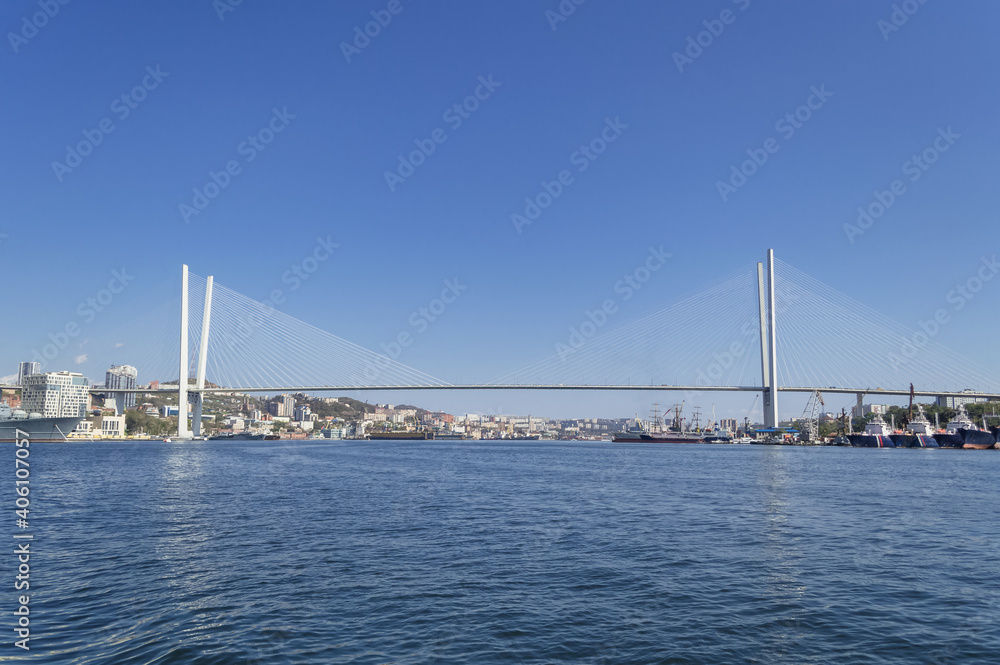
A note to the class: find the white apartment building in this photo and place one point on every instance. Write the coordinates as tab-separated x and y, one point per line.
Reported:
56	394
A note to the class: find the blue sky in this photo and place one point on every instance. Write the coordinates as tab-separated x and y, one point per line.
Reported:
222	76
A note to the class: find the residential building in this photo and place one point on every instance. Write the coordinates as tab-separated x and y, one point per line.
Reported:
122	377
282	405
868	409
56	394
27	369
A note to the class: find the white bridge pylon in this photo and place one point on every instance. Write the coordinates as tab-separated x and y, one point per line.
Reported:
182	383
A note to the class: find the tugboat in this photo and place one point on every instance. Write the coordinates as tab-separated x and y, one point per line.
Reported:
919	433
877	435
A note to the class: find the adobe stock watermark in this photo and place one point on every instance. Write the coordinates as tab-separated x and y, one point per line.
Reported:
381	18
712	373
122	106
86	312
915	167
420	320
31	25
563	11
223	7
958	298
901	13
581	158
294	277
696	44
249	148
786	126
455	115
626	287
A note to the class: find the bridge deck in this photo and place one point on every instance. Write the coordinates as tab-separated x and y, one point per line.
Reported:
560	386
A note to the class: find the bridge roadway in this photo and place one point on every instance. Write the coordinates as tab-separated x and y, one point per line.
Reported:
558	386
550	386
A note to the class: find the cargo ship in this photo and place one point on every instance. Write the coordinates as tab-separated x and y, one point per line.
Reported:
16	425
400	436
243	436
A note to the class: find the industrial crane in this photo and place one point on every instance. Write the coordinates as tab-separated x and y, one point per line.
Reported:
809	415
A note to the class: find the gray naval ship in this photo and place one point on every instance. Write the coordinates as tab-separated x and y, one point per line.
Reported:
32	426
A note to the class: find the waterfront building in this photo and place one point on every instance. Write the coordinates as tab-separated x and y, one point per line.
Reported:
122	377
112	427
56	394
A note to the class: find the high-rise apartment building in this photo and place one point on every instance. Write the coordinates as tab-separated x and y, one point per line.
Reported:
122	377
27	369
282	405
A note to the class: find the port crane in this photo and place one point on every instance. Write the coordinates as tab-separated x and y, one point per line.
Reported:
809	415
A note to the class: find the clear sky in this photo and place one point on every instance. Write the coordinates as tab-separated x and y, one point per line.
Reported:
186	89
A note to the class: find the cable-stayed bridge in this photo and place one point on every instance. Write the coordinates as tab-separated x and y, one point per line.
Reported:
767	330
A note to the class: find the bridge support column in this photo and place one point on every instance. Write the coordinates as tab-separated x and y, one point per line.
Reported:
764	364
182	385
199	397
772	329
768	341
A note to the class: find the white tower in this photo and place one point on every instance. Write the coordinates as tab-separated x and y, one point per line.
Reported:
768	341
202	359
182	385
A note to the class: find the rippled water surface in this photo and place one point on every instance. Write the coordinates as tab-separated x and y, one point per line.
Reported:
534	552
